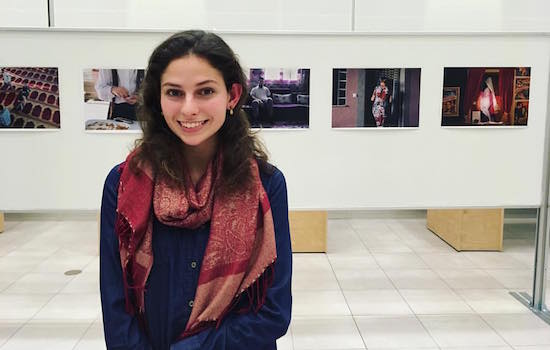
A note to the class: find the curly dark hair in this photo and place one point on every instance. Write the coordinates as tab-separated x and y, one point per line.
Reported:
161	148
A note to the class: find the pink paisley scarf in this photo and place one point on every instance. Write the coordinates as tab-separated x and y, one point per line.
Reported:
240	251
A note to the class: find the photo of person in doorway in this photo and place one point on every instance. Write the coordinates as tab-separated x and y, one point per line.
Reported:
376	98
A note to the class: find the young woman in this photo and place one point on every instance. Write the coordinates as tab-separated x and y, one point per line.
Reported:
195	245
380	96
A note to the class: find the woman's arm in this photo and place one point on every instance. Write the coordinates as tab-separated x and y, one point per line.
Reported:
260	330
121	330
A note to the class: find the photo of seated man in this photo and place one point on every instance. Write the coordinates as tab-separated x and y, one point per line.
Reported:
278	98
261	99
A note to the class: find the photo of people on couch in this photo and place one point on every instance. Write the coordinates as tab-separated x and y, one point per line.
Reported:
278	98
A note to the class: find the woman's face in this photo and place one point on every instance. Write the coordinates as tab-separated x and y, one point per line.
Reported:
194	100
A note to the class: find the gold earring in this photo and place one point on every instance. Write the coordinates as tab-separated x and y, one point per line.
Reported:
230	111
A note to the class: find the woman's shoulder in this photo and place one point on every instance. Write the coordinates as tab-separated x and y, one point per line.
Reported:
271	176
113	177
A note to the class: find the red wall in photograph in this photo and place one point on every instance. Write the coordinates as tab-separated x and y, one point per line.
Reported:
346	116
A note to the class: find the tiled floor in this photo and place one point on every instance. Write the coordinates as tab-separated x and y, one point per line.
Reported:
384	284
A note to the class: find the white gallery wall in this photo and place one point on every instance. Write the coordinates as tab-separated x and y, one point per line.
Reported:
427	167
452	15
207	14
28	13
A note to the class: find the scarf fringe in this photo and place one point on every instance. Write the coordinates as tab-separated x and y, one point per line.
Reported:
256	294
124	230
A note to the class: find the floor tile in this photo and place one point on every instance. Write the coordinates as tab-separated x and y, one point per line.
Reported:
319	303
39	283
304	278
93	339
8	278
67	307
460	330
520	329
93	266
487	301
393	332
469	279
515	279
22	306
416	279
83	283
494	260
479	348
8	328
63	262
424	246
399	261
435	301
46	335
361	279
352	261
442	261
19	263
388	268
346	242
325	333
285	342
376	302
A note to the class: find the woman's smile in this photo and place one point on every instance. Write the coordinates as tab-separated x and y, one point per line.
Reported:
192	126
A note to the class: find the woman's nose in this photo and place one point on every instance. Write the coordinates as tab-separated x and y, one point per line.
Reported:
189	106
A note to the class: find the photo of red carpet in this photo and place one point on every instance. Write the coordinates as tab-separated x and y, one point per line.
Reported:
29	98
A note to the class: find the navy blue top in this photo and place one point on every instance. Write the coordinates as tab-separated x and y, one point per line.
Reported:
171	285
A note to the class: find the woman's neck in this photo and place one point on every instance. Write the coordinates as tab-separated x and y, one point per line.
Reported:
198	157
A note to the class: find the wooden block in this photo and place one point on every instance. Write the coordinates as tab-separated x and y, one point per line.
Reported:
308	231
1	222
468	229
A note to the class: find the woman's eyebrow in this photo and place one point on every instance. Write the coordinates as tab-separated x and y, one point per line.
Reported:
204	82
207	81
171	84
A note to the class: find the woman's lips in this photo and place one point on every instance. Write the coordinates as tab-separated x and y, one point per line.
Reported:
192	126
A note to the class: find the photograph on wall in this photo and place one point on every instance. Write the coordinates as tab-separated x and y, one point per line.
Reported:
451	95
29	98
110	98
375	98
488	96
278	98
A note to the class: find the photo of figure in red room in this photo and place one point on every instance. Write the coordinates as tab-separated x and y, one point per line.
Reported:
375	98
29	98
492	96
